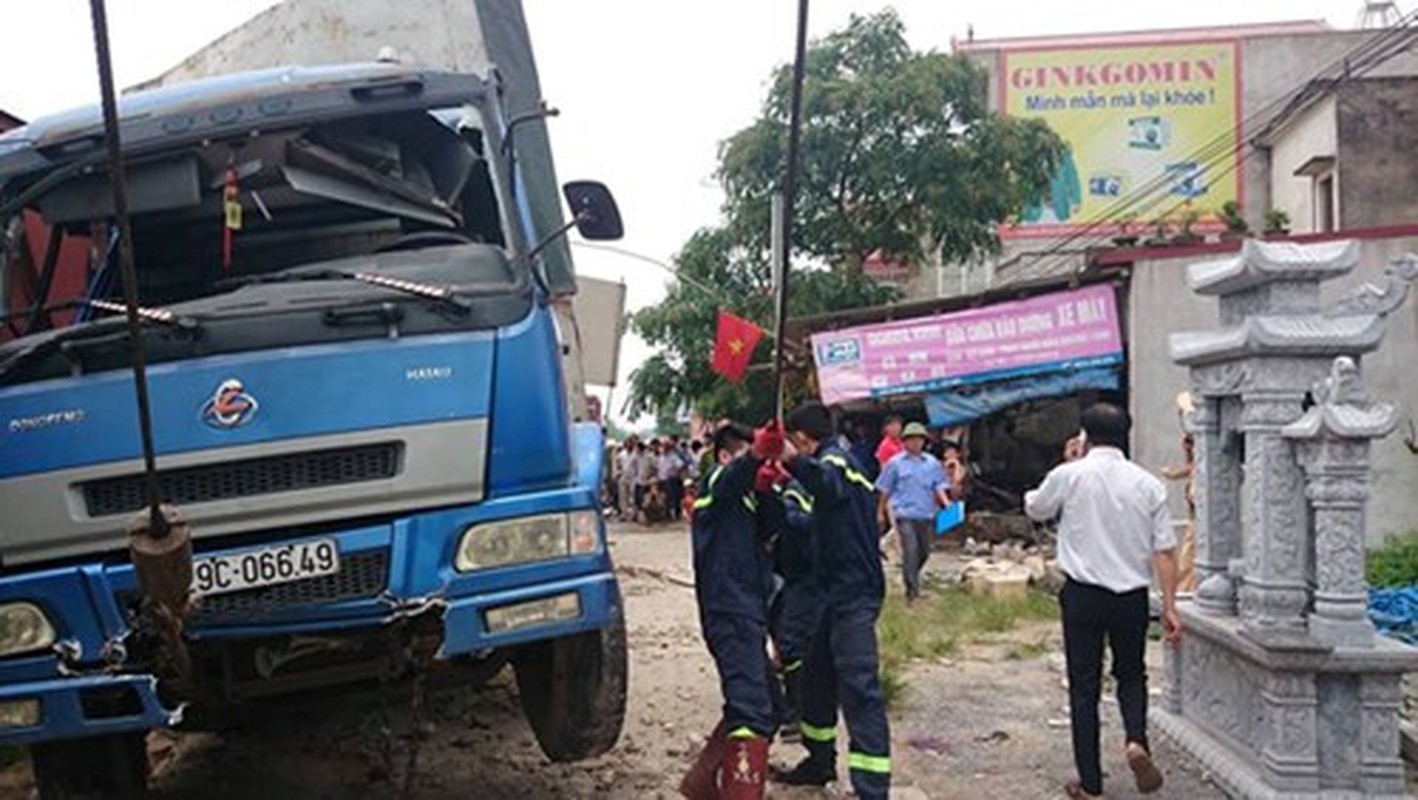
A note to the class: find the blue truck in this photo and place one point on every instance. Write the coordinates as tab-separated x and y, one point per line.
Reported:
358	406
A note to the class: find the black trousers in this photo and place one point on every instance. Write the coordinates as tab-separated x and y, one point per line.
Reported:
842	670
674	494
1090	615
738	644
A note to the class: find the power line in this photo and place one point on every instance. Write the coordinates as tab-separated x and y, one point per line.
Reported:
1362	58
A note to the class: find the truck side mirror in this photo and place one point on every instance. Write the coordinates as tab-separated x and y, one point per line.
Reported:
594	211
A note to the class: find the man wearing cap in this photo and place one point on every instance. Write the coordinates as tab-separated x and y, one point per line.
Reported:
913	488
842	669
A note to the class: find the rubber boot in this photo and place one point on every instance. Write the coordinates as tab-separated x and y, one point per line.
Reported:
744	773
792	718
811	771
702	780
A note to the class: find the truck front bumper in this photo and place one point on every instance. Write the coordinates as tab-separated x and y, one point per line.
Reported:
397	572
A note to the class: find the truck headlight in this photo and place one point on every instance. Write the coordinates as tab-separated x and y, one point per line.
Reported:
528	539
24	629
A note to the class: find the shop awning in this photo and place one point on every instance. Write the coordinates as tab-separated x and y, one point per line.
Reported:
966	404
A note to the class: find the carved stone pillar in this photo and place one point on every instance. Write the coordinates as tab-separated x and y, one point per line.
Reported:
1290	748
1338	495
1332	442
1218	525
1273	593
1381	772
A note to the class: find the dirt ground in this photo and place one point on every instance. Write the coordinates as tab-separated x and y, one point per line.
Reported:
985	723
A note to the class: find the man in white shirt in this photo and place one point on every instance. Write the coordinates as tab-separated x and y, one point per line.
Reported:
629	465
1113	524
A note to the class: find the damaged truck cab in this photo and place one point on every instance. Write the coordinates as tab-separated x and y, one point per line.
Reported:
358	404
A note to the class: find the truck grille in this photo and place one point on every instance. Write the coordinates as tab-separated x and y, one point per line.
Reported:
247	478
362	575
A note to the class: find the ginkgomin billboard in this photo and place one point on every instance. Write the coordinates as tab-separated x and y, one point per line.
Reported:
1156	123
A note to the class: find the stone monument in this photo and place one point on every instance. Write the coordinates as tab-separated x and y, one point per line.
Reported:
1280	685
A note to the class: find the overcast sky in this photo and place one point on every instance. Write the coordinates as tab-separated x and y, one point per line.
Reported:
647	88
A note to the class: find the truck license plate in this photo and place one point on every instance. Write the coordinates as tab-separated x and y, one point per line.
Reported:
267	566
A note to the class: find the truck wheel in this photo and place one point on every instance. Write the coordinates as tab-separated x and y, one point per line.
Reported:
573	691
113	766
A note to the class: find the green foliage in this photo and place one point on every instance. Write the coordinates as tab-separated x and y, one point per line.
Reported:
1277	221
900	154
1230	215
894	688
1394	564
683	325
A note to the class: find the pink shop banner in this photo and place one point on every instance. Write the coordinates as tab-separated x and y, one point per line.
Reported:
1064	331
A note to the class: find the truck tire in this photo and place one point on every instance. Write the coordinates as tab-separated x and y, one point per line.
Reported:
113	766
573	691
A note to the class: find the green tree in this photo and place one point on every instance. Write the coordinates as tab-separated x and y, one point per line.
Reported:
899	155
900	152
683	325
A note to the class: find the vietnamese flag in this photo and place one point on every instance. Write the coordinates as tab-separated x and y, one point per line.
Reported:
734	345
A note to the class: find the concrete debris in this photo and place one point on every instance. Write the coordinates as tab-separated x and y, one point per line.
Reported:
997	580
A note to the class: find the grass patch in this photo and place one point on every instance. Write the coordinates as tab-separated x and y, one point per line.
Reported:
946	616
1027	651
1394	563
11	755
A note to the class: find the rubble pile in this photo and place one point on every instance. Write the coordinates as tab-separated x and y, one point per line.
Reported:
1008	569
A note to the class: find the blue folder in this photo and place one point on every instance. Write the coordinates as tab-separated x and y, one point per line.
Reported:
950	517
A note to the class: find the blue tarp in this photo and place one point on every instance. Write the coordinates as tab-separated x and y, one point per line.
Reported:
1395	612
967	404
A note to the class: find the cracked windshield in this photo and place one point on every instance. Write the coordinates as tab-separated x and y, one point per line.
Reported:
798	399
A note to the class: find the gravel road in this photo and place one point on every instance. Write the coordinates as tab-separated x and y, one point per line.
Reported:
979	725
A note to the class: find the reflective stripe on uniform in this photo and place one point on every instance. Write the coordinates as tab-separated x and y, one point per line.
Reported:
793	666
742	733
852	475
862	762
750	503
707	500
801	499
815	734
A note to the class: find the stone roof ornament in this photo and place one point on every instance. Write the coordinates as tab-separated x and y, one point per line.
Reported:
1384	299
1270	305
1259	262
1343	408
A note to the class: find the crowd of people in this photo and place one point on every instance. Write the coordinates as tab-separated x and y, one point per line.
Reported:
647	480
786	526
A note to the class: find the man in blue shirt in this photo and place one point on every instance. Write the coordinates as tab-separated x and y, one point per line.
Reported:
913	488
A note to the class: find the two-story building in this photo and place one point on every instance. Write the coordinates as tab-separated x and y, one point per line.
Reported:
1181	143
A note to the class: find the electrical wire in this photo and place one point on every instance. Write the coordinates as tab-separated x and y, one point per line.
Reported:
1364	57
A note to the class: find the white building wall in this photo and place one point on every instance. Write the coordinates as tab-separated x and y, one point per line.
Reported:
1313	134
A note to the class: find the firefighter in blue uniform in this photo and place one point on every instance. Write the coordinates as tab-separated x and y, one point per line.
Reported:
786	510
841	669
732	579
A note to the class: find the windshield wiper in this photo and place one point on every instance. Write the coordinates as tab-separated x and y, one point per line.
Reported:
160	316
428	291
81	333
